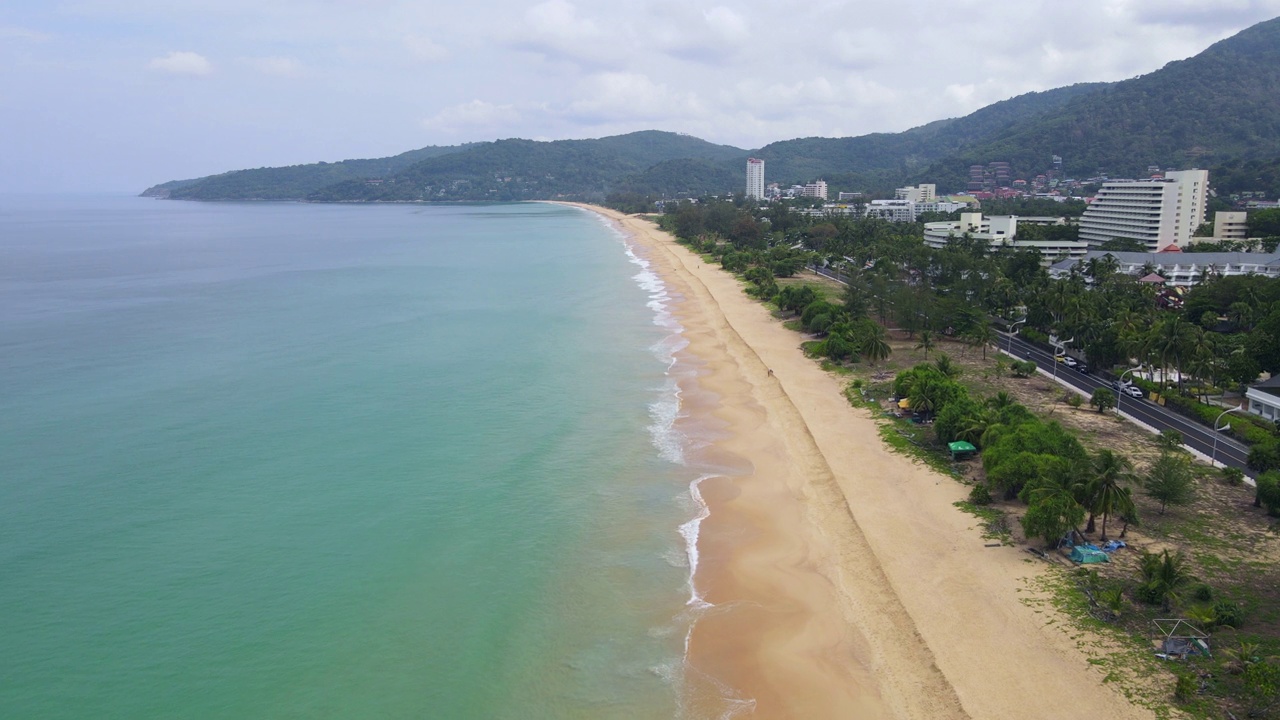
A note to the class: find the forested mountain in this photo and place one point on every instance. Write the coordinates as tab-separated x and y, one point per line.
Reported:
1218	110
528	170
294	182
885	159
1210	110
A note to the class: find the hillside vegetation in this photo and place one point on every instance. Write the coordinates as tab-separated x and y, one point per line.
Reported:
1218	110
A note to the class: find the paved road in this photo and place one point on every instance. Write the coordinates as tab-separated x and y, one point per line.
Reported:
1194	435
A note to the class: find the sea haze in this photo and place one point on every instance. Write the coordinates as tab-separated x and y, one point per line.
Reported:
287	460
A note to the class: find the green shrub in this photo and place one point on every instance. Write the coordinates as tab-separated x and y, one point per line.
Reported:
1202	593
1148	594
1185	688
980	494
1233	476
1229	614
1033	335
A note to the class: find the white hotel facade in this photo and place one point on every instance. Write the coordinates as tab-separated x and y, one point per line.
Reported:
1002	232
1159	212
755	178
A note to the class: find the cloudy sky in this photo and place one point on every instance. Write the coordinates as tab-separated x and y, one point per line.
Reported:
121	94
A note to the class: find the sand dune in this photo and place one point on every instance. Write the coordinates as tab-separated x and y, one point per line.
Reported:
846	583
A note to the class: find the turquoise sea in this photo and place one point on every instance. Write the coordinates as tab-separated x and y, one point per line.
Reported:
304	461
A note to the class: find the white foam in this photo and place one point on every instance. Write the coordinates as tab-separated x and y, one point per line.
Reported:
664	411
669	441
689	531
671	445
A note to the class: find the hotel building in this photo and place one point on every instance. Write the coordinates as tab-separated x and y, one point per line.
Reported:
1159	212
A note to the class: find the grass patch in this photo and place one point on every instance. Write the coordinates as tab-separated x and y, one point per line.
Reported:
995	524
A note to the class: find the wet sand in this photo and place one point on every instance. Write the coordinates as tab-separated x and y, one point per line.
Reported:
845	582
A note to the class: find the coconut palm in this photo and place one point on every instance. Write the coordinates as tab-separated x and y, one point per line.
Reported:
875	347
1165	576
1103	491
982	334
926	342
947	366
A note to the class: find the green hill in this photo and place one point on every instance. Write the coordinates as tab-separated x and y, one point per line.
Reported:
294	182
882	160
1207	111
1218	110
508	170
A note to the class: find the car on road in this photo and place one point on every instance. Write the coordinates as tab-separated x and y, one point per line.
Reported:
1068	360
1134	391
1082	368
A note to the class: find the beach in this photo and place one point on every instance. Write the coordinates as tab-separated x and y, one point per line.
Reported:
841	579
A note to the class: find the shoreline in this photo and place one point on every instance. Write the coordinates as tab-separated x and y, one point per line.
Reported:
845	583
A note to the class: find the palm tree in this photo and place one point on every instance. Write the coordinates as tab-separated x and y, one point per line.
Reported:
1165	576
875	348
983	335
1172	340
1106	496
924	395
947	366
1000	401
1240	314
926	342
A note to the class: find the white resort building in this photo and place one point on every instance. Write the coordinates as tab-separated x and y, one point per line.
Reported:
1264	398
1002	231
816	189
1159	212
1181	269
1230	226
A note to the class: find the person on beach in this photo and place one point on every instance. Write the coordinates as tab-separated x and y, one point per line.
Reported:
770	372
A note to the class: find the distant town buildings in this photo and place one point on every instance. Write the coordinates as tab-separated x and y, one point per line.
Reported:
910	203
1002	232
918	194
1158	212
755	178
816	189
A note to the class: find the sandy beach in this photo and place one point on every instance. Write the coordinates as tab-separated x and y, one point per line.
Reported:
845	582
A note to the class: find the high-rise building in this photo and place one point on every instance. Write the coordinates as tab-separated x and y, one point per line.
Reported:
1158	212
755	178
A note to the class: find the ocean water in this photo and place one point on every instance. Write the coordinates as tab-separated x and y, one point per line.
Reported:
285	461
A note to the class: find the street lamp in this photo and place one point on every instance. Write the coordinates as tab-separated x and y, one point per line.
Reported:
1059	348
1213	457
1013	331
1120	390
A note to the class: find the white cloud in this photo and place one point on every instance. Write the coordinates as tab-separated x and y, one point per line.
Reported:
182	63
727	24
475	117
285	67
558	19
746	72
612	96
424	48
12	32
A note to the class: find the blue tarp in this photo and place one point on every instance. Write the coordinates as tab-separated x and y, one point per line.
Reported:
1087	554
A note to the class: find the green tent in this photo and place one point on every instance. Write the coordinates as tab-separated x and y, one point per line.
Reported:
961	450
1086	556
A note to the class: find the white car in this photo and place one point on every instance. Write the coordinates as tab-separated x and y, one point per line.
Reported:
1069	361
1134	391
